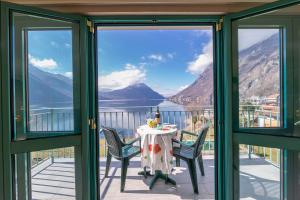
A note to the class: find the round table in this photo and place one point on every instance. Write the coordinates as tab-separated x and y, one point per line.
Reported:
156	150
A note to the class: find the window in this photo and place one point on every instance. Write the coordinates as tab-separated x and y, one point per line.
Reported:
259	172
45	75
47	174
259	71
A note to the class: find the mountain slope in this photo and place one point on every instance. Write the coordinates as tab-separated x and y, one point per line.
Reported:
137	91
47	89
200	92
258	71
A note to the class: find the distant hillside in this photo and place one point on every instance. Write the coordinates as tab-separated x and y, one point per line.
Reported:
257	73
200	92
46	89
138	91
259	69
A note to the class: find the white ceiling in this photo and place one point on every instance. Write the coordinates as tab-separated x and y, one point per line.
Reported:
125	7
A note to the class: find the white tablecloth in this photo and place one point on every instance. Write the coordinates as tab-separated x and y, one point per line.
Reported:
157	148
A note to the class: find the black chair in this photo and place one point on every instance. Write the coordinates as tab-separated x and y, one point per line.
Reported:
190	153
119	150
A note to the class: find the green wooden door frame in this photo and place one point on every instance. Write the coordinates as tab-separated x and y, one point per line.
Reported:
1	132
218	69
233	138
80	140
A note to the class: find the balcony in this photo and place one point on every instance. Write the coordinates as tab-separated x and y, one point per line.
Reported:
53	170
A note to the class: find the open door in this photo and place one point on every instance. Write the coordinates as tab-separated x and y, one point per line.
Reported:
114	77
264	88
45	120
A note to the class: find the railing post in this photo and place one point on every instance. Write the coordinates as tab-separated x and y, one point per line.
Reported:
249	151
264	118
180	120
122	120
270	118
271	155
133	113
248	117
117	120
278	157
52	119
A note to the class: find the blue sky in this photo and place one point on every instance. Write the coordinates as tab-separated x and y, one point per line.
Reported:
166	60
51	51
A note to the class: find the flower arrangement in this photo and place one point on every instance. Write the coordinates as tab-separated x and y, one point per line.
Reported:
152	123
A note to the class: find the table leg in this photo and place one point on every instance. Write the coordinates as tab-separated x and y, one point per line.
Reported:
159	174
145	173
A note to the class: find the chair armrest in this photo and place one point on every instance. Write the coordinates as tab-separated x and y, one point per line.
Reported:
133	141
188	133
180	143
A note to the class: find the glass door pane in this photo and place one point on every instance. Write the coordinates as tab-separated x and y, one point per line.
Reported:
260	172
259	64
45	74
50	174
262	70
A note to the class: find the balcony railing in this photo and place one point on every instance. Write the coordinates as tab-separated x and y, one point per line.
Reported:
128	121
259	116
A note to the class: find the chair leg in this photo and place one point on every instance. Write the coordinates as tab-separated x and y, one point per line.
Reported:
108	161
193	174
177	162
201	166
125	163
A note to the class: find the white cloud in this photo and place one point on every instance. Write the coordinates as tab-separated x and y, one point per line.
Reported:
54	44
182	87
157	57
130	75
170	55
45	63
69	74
67	45
202	61
248	37
203	32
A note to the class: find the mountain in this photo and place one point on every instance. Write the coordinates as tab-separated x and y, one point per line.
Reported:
138	91
200	92
46	89
258	71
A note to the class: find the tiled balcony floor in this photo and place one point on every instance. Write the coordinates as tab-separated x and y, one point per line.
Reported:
259	180
137	187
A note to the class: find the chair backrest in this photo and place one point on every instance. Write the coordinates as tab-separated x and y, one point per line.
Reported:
114	142
200	141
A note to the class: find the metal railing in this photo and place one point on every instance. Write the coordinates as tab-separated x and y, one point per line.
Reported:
258	116
53	119
272	155
128	121
39	157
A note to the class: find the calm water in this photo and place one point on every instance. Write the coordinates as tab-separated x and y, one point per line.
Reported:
119	114
138	105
